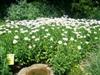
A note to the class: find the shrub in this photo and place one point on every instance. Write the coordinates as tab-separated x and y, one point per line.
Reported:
95	13
78	8
33	10
73	8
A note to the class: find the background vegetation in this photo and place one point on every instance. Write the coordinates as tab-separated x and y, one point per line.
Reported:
44	8
32	10
55	45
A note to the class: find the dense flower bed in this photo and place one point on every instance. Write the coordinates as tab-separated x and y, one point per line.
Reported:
63	21
60	42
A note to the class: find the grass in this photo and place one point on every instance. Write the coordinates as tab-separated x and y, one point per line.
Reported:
94	63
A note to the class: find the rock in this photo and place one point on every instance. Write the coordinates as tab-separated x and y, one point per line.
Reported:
36	69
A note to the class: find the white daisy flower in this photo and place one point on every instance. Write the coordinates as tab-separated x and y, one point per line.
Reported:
11	27
51	39
95	32
96	38
87	42
48	34
88	34
9	31
42	27
46	30
65	32
65	43
79	47
84	36
75	40
26	39
24	31
16	37
45	36
8	25
51	46
16	26
34	45
37	39
1	32
12	22
53	25
62	34
30	47
72	39
80	36
21	29
59	42
16	31
52	28
33	37
58	27
99	29
36	30
65	39
15	41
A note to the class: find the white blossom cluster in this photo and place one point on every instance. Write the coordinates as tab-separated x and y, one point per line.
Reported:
61	30
58	21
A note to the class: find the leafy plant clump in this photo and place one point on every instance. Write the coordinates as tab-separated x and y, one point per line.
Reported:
58	45
33	10
94	64
4	69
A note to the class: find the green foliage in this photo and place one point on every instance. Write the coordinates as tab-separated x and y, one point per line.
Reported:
94	65
24	10
56	45
78	8
4	69
75	70
1	22
83	8
95	13
31	9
